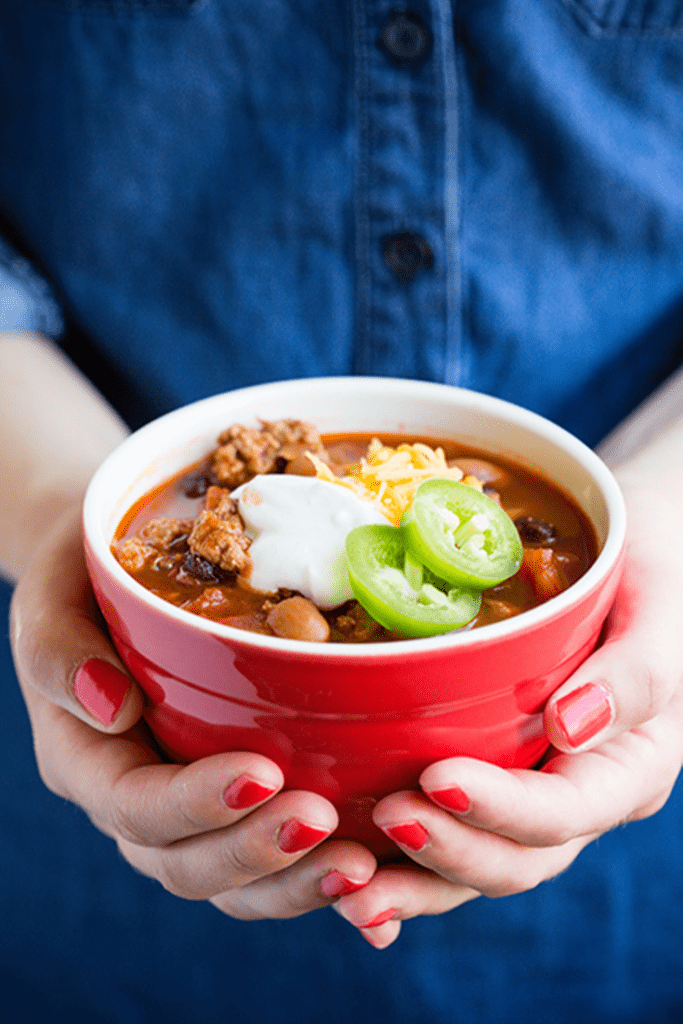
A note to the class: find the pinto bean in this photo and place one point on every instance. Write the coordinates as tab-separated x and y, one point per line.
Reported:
301	466
297	618
485	471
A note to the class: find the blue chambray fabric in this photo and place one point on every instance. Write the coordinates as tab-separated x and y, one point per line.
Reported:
207	187
26	301
87	940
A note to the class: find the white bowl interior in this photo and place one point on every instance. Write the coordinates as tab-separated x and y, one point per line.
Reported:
356	404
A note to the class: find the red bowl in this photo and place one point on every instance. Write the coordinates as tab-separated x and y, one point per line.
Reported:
353	722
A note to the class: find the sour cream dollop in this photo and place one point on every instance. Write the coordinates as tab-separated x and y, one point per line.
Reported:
298	525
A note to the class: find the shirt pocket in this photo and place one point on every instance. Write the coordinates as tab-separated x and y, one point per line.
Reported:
629	17
127	6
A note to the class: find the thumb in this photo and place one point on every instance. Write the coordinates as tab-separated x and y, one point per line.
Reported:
60	645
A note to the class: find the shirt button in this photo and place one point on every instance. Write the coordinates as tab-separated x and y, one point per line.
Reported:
405	253
405	38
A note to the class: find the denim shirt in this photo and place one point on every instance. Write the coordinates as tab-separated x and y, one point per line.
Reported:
483	192
223	192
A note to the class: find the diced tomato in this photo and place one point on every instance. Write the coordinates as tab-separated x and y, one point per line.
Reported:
252	623
208	602
501	609
544	570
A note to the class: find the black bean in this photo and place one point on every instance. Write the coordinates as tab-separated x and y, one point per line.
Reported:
535	531
197	483
179	544
201	569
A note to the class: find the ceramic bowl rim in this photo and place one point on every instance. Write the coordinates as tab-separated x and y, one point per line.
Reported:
517	626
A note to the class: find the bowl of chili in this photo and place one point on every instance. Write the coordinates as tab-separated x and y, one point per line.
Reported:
357	710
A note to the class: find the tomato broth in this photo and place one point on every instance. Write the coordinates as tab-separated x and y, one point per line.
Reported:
559	542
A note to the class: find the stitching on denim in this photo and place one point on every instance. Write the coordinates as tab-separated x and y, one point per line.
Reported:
592	23
362	339
48	314
123	6
451	163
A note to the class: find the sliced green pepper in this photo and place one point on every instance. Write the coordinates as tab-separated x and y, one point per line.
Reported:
399	592
462	535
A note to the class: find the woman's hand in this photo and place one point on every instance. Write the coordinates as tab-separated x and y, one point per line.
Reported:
218	829
617	732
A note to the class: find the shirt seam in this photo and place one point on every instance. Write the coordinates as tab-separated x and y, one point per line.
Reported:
362	248
452	117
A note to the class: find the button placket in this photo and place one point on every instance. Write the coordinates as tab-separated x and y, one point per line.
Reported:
406	38
401	296
406	253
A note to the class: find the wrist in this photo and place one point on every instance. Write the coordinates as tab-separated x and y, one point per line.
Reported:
55	429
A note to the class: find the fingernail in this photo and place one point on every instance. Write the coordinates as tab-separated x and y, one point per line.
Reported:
295	836
334	884
452	799
245	792
582	714
386	915
409	833
101	688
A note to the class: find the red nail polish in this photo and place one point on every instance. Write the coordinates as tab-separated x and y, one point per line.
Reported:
101	688
335	884
386	915
582	714
409	833
295	836
245	792
452	799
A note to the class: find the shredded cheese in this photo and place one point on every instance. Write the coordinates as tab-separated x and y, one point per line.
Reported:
388	477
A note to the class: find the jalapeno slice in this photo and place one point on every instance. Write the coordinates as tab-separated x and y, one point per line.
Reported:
398	591
463	536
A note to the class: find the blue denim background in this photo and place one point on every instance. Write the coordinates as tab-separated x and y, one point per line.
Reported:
86	940
206	186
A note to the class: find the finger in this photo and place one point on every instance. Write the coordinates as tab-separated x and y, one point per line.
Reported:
381	936
634	673
60	645
330	871
180	824
395	894
572	796
127	792
469	857
265	842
